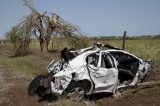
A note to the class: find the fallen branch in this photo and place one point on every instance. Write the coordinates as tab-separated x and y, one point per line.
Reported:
148	83
140	85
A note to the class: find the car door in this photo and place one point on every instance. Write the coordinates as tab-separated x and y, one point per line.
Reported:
105	74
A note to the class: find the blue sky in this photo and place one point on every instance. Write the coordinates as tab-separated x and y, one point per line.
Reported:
95	17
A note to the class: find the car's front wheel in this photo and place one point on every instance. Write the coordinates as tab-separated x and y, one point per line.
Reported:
35	83
75	91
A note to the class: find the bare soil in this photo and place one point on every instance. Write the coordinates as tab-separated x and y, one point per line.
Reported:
13	90
144	96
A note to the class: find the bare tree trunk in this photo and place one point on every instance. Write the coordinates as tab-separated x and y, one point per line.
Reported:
52	44
41	44
44	45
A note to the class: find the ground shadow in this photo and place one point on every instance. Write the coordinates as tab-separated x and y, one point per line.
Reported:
48	97
51	97
98	96
21	55
52	51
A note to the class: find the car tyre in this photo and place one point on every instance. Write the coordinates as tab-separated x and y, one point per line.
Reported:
75	91
35	84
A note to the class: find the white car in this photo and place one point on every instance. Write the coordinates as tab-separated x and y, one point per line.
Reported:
99	68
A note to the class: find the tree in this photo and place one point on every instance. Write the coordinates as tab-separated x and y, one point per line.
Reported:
20	37
45	26
12	36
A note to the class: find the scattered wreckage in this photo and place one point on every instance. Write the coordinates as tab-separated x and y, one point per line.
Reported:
99	68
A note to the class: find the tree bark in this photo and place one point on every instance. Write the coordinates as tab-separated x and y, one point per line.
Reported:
44	45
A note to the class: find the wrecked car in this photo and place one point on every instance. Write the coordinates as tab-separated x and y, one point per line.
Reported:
96	69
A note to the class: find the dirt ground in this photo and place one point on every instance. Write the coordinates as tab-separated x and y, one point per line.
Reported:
13	92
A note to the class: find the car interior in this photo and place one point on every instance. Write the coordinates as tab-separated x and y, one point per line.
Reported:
127	66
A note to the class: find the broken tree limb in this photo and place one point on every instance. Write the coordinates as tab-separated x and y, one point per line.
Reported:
148	83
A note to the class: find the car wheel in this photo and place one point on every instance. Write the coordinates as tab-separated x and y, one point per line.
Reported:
41	91
34	85
75	91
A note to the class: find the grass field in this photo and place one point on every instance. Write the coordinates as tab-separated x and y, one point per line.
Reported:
144	48
36	62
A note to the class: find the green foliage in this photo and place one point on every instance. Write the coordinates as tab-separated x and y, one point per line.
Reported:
29	65
12	36
20	37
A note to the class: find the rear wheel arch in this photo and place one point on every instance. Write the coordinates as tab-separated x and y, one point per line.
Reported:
87	84
75	91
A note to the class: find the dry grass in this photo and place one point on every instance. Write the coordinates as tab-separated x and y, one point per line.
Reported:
37	62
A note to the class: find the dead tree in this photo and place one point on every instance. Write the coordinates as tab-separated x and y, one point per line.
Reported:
44	26
20	37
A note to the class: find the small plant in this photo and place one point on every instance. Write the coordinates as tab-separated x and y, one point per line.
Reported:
20	37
